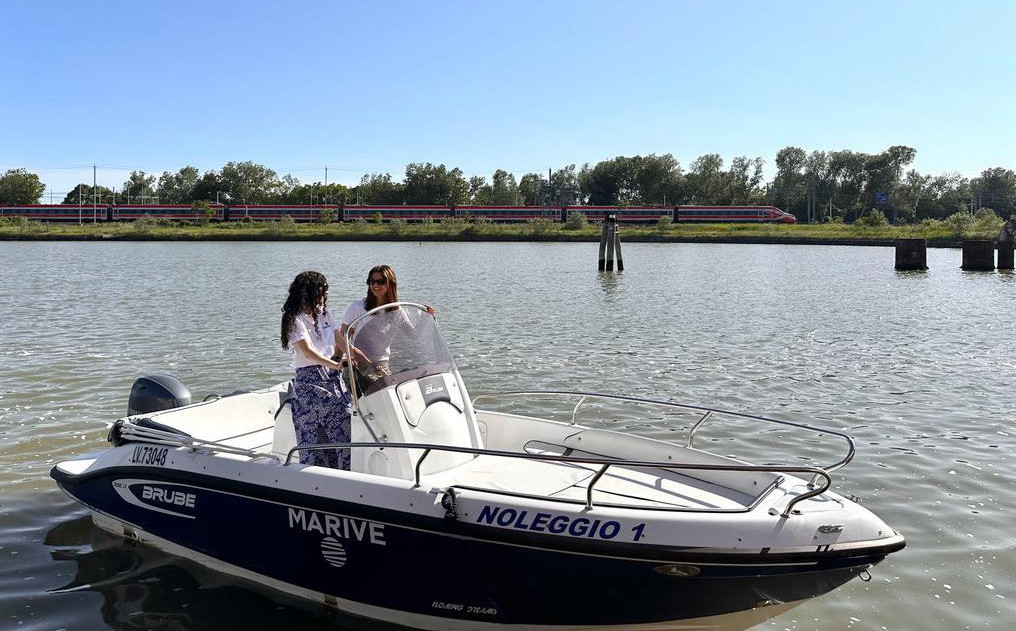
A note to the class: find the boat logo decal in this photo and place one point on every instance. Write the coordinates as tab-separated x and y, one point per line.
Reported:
147	454
481	610
555	524
161	497
333	552
828	529
337	531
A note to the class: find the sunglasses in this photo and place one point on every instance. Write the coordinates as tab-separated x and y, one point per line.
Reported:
380	282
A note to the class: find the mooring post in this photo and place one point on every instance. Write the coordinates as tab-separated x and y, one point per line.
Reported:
617	246
911	254
610	223
978	255
603	247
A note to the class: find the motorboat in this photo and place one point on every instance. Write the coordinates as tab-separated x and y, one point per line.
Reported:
467	513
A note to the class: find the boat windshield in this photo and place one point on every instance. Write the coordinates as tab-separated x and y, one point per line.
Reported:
394	345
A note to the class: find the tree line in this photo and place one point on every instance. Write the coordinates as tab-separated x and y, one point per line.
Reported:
823	185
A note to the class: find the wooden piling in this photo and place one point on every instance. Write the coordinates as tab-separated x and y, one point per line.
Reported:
608	243
911	254
1005	255
979	255
611	224
617	246
603	247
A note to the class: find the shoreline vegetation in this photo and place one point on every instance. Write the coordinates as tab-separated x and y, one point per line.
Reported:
939	233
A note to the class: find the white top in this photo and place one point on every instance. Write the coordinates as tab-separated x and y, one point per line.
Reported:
377	345
321	338
354	311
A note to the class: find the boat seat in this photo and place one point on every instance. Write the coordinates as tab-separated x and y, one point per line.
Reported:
512	475
434	414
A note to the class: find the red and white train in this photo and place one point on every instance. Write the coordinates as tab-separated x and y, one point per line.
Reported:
386	213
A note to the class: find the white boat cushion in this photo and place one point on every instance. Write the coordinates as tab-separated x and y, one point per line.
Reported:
515	475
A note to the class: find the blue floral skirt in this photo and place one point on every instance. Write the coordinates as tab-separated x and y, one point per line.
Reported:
321	415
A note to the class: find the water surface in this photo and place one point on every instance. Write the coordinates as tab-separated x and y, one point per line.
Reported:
917	366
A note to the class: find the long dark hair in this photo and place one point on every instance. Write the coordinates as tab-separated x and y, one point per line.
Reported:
305	292
391	288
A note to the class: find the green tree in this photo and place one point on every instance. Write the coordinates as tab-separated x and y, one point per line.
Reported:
659	180
378	188
427	183
140	189
789	186
317	193
177	188
706	180
18	186
563	186
83	193
744	180
612	182
944	196
252	183
480	193
911	190
210	187
995	188
531	189
504	190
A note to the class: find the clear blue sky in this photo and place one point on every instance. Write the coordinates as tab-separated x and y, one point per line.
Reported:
524	86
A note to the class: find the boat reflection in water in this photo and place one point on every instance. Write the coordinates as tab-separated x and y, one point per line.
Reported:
144	589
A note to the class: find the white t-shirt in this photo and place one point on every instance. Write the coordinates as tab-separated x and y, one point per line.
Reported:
321	337
354	311
376	344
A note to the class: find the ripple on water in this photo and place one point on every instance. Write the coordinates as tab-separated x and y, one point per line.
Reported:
831	336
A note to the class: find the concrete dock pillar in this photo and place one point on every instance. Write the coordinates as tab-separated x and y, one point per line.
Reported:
911	254
979	255
1005	255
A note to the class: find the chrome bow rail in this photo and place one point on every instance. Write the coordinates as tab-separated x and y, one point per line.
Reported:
707	414
604	464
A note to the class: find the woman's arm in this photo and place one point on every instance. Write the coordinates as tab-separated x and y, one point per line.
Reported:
340	344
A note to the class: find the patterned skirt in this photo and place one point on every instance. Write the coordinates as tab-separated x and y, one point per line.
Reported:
321	415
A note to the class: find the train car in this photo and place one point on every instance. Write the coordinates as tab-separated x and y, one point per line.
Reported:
56	212
172	212
396	211
728	214
274	212
508	214
633	214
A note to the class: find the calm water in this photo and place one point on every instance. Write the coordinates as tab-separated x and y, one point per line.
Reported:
918	367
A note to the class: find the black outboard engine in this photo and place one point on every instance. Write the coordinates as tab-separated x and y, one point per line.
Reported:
155	393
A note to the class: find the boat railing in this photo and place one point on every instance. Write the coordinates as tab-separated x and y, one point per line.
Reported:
707	415
819	475
132	431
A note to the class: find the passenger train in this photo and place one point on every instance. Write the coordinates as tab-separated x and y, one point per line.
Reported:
387	213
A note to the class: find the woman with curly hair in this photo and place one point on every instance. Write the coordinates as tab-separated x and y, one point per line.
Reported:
320	401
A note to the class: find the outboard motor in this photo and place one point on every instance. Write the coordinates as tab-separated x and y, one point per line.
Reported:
155	393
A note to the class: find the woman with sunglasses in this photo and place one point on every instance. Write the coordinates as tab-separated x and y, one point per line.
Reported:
320	401
382	289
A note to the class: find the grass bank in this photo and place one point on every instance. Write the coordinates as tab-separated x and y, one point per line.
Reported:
938	233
